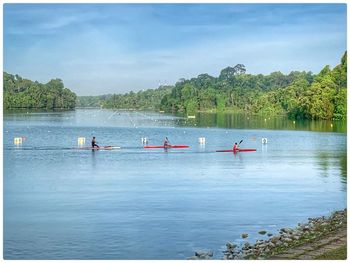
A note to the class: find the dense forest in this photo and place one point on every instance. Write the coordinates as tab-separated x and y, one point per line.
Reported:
148	99
299	95
143	100
24	93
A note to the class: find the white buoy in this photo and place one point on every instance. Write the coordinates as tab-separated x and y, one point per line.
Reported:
17	140
264	140
201	140
81	140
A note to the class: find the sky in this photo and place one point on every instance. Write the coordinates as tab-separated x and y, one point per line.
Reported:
115	48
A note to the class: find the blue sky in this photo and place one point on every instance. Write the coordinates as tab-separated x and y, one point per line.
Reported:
114	48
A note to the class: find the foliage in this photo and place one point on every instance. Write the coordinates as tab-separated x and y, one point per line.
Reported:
24	93
142	100
339	253
299	94
90	101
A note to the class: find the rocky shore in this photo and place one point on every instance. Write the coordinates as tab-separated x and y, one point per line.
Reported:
287	238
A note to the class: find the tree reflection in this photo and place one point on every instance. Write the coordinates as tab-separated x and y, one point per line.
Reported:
247	121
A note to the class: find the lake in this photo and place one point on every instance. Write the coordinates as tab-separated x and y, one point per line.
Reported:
61	202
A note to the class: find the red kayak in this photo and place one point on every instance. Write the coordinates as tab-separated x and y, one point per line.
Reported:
239	150
169	146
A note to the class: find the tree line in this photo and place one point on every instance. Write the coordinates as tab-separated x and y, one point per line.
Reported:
142	100
300	95
24	93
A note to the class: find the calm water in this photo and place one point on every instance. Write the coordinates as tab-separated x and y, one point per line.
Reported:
132	203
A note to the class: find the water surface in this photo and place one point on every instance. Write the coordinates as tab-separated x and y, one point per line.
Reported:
133	203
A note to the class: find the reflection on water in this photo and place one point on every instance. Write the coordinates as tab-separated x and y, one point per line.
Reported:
243	121
343	166
140	118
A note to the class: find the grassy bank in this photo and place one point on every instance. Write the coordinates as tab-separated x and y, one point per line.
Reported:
338	253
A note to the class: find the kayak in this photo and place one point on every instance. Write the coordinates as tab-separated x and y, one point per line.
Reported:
108	147
162	146
239	150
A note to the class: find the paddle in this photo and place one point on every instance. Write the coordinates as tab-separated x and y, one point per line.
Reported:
240	142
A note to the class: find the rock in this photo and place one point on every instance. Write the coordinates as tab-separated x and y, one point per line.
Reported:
275	239
288	240
286	230
258	242
296	237
244	235
269	234
262	232
306	228
247	246
272	245
230	245
285	235
279	243
204	254
261	246
200	253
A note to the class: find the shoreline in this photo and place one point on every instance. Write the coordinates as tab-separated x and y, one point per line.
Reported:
315	239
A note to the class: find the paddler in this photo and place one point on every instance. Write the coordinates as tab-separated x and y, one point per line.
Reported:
93	143
236	147
166	143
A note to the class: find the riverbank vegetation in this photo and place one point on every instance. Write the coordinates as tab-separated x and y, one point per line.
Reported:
299	95
143	100
149	99
20	93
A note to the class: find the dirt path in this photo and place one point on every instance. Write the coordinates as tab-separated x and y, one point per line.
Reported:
317	248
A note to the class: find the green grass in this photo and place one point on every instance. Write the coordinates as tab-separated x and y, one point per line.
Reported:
338	253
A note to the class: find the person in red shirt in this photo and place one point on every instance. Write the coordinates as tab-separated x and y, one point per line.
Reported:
166	143
235	147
